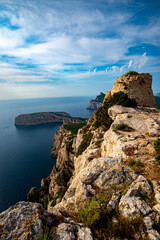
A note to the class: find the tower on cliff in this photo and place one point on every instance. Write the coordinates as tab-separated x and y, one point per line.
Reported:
138	86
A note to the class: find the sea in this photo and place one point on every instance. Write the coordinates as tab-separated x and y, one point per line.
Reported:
25	152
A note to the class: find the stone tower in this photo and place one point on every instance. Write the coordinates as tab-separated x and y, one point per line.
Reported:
137	86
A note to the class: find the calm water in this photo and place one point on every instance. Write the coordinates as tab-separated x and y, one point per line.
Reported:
25	152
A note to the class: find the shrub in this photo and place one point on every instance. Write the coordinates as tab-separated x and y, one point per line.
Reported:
158	159
44	236
157	146
123	127
131	73
157	149
97	216
95	209
85	143
119	98
73	127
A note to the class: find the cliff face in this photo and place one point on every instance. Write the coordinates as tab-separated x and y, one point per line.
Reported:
105	177
137	86
97	103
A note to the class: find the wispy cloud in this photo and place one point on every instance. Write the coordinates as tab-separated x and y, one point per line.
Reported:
73	39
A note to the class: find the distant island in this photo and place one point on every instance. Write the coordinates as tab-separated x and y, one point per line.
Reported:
97	102
32	119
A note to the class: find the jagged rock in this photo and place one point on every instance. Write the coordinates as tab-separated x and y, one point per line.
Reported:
63	170
156	187
118	109
95	104
131	204
100	173
68	231
152	233
137	87
114	200
58	138
136	143
142	185
21	221
33	195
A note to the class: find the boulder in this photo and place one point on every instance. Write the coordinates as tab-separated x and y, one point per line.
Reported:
21	221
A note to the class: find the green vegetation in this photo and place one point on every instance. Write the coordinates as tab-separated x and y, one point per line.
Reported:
85	143
123	127
99	218
119	98
44	236
131	73
74	127
59	195
125	85
157	149
137	166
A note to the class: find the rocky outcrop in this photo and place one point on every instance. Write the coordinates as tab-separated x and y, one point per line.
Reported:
46	117
97	103
138	143
108	173
26	221
137	86
101	173
68	231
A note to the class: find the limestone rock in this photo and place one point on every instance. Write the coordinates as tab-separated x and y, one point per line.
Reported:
152	233
93	105
21	221
118	109
137	87
67	231
100	173
131	204
137	143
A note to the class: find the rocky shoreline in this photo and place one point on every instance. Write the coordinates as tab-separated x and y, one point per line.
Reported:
106	181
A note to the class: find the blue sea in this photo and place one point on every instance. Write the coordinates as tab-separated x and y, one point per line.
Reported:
25	152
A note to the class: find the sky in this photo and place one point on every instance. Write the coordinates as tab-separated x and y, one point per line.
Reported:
56	48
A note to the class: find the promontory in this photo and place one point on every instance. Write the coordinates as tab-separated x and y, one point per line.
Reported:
38	118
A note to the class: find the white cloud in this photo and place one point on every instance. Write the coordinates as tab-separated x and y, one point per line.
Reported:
130	63
56	36
143	60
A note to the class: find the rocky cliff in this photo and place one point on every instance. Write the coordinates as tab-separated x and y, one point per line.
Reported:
106	182
97	102
138	86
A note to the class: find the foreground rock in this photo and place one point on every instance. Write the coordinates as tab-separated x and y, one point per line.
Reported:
100	173
67	231
25	221
21	221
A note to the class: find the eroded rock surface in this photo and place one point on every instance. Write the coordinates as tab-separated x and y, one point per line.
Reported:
137	87
100	173
21	221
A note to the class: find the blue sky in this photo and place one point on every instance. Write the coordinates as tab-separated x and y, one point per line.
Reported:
53	48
